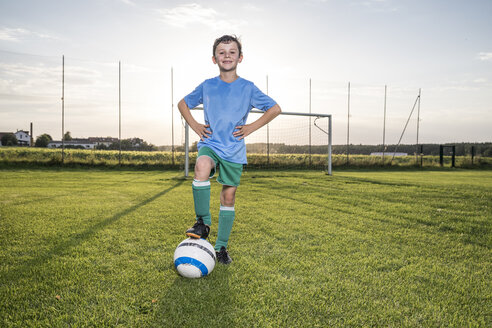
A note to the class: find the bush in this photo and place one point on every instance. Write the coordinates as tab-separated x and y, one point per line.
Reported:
9	140
43	140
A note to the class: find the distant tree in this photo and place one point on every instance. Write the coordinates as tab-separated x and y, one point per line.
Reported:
43	140
194	147
133	144
67	136
9	140
487	152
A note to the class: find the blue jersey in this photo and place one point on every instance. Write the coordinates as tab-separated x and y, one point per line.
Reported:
227	105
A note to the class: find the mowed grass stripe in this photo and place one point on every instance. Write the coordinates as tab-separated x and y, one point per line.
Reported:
309	250
418	229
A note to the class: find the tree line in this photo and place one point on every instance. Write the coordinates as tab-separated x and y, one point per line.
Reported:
137	144
483	149
462	149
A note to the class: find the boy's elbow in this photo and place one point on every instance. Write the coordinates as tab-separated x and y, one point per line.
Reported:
182	105
275	109
278	110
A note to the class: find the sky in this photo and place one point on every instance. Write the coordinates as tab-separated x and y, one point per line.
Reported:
304	54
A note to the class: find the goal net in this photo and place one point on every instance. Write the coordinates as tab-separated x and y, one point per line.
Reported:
292	140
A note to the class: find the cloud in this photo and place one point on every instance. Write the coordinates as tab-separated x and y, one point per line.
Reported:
485	56
12	34
24	79
480	80
128	2
188	14
252	7
20	34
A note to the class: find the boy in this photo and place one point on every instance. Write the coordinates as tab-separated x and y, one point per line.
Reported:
227	100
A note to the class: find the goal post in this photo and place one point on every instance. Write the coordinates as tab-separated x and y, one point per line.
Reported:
292	131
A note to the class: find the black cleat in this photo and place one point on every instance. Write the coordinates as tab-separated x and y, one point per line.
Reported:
199	230
223	256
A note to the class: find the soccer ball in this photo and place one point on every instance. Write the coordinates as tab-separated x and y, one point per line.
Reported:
194	258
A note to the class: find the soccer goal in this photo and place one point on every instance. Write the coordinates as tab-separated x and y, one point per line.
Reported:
294	139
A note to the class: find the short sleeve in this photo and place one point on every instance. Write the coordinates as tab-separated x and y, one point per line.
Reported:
195	98
260	100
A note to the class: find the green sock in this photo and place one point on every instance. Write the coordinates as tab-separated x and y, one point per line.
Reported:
226	219
201	198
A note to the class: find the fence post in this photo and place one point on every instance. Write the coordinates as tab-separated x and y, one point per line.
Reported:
453	158
441	155
421	155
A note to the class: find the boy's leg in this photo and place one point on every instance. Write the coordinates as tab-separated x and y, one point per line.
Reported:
229	177
201	197
226	216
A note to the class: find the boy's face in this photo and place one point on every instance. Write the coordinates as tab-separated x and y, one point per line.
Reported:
227	56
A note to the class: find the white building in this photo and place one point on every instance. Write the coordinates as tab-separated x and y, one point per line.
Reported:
23	138
89	143
73	143
389	154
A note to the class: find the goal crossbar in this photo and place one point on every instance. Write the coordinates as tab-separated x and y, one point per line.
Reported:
329	133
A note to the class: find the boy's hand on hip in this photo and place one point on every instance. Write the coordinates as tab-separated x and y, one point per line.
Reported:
243	131
202	131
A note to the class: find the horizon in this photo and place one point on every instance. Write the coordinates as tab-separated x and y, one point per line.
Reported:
369	44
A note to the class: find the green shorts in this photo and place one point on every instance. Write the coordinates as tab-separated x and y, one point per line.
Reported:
229	173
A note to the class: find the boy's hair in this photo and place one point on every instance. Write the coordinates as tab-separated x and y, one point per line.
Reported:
227	39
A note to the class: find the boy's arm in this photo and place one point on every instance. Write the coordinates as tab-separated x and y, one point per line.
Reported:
200	129
243	131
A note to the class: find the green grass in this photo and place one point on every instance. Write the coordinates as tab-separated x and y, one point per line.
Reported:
94	248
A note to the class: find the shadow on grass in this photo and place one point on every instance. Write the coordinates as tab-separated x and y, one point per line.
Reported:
204	302
75	240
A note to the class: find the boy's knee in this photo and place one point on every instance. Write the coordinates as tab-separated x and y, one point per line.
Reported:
203	167
228	197
229	201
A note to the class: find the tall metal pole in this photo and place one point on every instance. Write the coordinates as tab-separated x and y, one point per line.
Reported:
329	145
63	108
348	124
384	123
418	123
268	130
119	110
310	161
172	115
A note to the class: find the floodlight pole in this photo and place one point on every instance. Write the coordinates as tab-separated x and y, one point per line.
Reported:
418	123
310	161
268	130
329	145
119	111
63	108
384	122
348	124
172	115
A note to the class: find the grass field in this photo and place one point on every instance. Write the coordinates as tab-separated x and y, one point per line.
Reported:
94	248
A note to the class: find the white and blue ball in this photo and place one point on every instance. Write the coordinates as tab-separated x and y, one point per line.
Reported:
194	258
